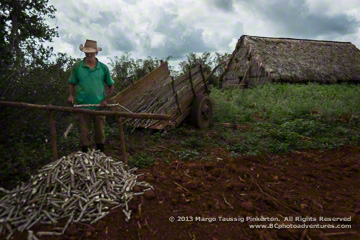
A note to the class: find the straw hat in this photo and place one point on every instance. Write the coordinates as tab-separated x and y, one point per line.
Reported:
90	47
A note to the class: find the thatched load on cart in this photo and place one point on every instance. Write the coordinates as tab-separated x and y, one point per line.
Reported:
160	93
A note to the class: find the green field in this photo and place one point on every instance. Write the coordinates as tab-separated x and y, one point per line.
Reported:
286	117
274	118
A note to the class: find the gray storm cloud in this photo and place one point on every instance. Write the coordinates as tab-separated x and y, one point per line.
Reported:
180	39
170	28
296	20
225	5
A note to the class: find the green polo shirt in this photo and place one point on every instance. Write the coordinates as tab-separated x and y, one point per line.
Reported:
90	82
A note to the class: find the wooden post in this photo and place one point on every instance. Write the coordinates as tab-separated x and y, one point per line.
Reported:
53	135
176	95
191	82
122	141
204	80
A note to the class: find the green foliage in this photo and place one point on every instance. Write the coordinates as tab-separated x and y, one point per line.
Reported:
234	154
141	160
126	70
23	155
40	85
158	135
192	142
24	31
281	102
291	135
188	154
194	60
218	59
326	117
208	61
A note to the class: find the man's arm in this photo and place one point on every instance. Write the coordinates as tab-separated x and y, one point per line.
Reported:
71	94
107	97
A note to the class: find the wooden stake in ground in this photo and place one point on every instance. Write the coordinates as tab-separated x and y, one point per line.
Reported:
53	135
122	142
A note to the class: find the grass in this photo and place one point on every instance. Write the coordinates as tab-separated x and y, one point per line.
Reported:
285	117
281	102
141	160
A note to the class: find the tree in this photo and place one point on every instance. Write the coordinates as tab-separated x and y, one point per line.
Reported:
208	62
25	31
220	58
125	70
193	60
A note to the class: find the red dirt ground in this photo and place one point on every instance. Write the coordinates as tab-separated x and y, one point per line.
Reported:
303	184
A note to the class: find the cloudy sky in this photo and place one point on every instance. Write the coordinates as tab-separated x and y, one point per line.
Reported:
161	28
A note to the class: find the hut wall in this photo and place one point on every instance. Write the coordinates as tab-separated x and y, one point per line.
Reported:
257	76
254	81
231	82
237	67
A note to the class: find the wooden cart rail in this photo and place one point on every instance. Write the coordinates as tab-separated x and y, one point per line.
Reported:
117	114
159	93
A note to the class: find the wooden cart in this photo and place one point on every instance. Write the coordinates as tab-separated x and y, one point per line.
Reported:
160	93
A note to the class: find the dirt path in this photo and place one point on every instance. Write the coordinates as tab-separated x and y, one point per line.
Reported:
220	199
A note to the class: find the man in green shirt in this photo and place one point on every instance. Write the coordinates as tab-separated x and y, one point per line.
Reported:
90	77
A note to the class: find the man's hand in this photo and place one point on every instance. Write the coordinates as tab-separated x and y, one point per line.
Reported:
103	103
110	92
71	100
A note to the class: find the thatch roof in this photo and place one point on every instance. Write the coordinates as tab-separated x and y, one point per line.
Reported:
296	60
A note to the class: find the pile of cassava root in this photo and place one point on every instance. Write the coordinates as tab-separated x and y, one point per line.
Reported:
80	187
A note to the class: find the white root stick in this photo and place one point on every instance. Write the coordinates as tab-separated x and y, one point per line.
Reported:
98	105
66	133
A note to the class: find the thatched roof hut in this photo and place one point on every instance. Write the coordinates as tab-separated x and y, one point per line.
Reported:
258	60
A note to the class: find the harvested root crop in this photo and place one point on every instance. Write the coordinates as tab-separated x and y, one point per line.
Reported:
80	187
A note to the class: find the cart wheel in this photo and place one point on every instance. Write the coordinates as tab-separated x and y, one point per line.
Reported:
202	111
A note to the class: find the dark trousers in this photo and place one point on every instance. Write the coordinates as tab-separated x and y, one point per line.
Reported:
84	125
